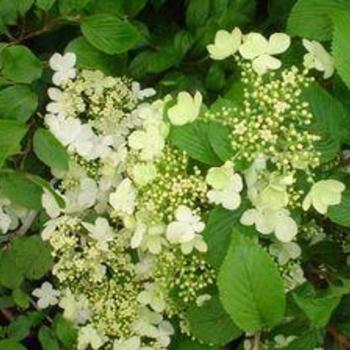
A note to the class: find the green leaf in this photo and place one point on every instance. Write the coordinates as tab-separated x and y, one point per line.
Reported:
47	339
339	214
188	344
10	344
88	57
219	140
33	256
318	306
133	7
11	275
109	33
139	65
162	60
331	121
110	7
311	18
20	298
23	6
45	5
194	139
279	10
66	331
341	44
183	41
49	150
215	78
18	102
218	233
251	289
11	134
21	190
211	316
310	340
197	13
19	328
69	6
20	65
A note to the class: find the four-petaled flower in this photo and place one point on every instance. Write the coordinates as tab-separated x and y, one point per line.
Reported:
63	67
46	295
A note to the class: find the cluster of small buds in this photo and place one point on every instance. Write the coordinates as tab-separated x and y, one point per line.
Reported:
292	274
173	187
272	120
91	167
187	276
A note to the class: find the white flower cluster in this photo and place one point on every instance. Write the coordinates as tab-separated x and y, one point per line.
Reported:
261	51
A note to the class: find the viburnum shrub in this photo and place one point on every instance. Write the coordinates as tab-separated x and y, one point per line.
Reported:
179	188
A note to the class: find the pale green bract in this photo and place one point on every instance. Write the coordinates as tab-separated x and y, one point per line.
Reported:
187	108
323	194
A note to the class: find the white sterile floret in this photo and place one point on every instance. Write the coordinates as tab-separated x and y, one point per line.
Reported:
133	343
282	341
226	186
152	296
101	232
63	67
187	108
141	94
185	227
60	103
46	295
143	173
76	307
225	44
50	204
260	51
186	231
285	251
318	58
323	194
123	200
89	337
269	221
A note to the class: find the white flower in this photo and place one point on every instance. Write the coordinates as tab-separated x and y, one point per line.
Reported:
197	243
59	105
225	44
185	227
50	204
282	341
165	330
63	67
187	108
124	198
133	343
143	173
285	251
5	221
226	186
202	299
47	295
101	232
89	336
152	296
318	58
260	50
269	221
150	142
323	194
76	307
141	94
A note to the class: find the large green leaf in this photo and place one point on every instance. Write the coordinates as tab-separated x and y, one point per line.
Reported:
211	316
318	306
341	44
66	331
311	18
11	275
331	121
109	33
88	57
17	102
10	344
68	6
197	13
218	233
133	7
340	214
20	64
188	344
33	257
45	4
47	339
251	289
194	139
21	190
11	134
49	150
